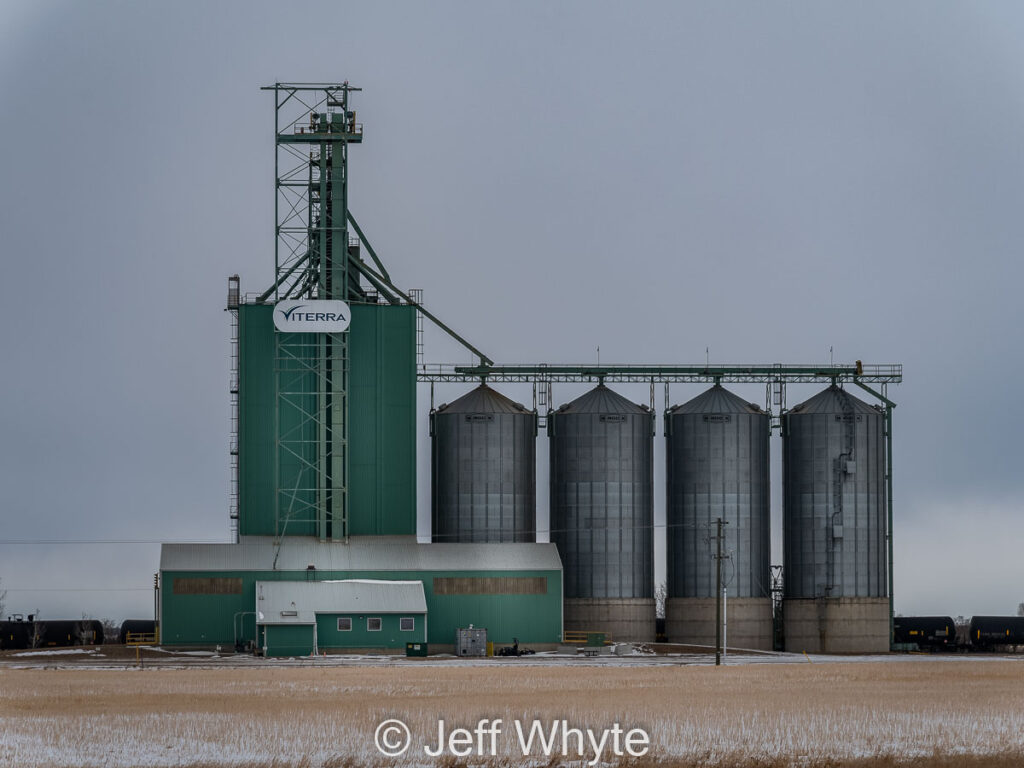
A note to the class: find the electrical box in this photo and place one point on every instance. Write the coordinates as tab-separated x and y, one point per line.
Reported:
471	642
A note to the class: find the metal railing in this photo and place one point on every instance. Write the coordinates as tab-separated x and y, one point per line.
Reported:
580	636
886	373
141	638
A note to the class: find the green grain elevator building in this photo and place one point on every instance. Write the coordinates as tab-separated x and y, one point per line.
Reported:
325	555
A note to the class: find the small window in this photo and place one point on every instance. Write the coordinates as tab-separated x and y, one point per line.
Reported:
406	624
345	625
373	625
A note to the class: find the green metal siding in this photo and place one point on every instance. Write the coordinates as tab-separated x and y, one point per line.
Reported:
209	619
288	640
382	424
382	421
257	411
255	420
389	636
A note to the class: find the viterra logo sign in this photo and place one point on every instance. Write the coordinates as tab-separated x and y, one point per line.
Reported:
312	316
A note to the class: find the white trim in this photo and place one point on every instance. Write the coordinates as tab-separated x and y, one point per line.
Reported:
380	624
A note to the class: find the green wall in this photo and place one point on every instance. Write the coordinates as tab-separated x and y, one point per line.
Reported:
288	640
382	424
256	396
382	421
389	636
207	619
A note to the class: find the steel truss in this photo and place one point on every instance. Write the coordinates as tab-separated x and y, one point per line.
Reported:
313	127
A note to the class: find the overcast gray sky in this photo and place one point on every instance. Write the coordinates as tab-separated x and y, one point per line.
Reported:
766	180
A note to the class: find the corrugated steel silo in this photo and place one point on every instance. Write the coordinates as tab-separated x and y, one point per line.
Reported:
717	462
484	469
834	525
602	514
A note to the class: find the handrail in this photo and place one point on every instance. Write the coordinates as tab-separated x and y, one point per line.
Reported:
140	638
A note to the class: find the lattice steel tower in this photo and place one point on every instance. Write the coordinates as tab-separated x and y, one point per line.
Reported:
313	128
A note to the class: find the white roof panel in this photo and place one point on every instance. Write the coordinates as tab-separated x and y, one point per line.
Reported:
298	602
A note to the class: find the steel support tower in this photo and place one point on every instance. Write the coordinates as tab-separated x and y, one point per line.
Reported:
313	127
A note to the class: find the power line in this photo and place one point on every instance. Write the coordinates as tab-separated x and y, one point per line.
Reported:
108	541
78	589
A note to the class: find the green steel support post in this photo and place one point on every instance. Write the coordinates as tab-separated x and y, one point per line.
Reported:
378	281
338	405
369	248
888	500
324	276
889	405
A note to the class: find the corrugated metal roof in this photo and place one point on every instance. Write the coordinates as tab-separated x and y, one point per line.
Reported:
718	399
361	553
833	400
483	399
298	602
602	400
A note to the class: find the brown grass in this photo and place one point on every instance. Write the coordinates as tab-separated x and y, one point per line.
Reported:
758	716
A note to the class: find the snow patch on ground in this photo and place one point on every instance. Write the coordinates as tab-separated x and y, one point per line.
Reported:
58	652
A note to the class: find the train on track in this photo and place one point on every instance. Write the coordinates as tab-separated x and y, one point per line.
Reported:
20	632
941	633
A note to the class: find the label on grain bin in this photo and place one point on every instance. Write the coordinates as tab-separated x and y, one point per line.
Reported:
312	316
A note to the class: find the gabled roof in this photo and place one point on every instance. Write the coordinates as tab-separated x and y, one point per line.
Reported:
298	602
361	553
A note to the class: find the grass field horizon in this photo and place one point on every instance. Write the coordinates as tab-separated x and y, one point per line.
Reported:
840	715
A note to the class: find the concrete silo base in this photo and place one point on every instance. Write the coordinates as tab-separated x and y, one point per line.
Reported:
837	625
622	618
691	620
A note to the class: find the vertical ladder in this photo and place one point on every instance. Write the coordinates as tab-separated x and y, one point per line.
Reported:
233	377
416	294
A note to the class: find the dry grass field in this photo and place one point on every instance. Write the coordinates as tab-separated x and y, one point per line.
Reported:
866	714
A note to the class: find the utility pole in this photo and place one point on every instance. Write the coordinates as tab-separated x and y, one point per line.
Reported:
718	595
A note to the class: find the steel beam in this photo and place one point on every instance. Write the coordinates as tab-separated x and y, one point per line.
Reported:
759	373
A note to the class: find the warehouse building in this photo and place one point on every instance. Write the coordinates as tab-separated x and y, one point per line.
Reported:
211	593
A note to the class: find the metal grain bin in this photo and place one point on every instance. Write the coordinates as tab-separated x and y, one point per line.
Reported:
834	525
602	513
483	473
717	466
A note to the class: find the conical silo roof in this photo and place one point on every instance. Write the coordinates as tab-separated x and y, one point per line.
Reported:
483	399
602	400
833	400
718	399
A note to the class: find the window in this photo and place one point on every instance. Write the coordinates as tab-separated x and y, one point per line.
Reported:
406	624
345	625
490	585
206	586
373	625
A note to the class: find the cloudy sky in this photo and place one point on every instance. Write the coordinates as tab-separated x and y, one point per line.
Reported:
762	180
